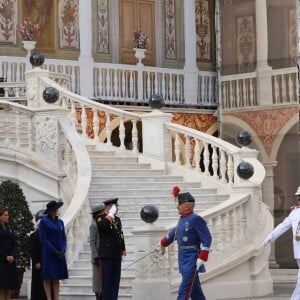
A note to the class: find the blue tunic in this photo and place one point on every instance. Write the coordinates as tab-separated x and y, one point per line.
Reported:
53	238
193	239
191	234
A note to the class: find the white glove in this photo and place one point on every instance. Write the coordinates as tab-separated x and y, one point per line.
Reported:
160	249
199	263
266	242
112	211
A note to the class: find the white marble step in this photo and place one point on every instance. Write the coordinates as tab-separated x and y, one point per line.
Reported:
98	161
142	200
119	192
97	169
284	275
145	185
149	178
127	172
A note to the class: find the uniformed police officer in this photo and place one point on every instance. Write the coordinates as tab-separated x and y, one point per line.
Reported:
194	240
111	249
291	221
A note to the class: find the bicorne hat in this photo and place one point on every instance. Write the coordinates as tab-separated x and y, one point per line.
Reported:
111	201
185	197
181	197
53	205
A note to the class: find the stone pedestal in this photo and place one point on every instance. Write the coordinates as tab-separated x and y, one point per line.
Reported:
151	272
156	140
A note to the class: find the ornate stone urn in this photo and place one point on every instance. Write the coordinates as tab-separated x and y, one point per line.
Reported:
29	46
140	55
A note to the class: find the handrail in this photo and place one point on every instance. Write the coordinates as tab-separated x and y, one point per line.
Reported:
65	94
196	134
76	216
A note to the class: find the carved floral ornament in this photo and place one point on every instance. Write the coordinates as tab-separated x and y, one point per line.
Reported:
47	136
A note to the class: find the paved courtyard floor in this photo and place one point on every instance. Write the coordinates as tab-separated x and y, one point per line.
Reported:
282	291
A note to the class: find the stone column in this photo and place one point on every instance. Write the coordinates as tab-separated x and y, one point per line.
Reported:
264	82
190	67
85	58
268	198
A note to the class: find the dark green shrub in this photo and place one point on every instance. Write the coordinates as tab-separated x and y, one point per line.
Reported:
20	218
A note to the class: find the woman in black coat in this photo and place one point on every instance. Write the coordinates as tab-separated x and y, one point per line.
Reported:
8	269
35	251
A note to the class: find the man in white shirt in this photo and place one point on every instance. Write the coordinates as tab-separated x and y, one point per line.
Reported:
291	221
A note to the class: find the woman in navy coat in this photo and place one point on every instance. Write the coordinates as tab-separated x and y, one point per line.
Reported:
54	243
8	269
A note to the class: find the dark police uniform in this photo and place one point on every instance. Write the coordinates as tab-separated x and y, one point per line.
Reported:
111	248
194	240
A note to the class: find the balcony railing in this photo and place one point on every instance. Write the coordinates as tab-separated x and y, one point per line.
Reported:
240	90
119	83
124	83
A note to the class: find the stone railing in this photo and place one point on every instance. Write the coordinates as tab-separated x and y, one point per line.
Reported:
128	83
133	83
48	139
240	90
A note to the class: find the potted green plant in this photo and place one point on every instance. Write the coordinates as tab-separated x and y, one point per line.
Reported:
20	220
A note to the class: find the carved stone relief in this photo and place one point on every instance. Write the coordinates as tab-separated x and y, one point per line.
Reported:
47	137
153	266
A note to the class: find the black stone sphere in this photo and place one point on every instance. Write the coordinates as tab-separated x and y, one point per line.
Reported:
37	58
156	101
149	213
50	95
244	138
245	170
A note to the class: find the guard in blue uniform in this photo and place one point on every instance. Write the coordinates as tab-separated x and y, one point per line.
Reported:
194	239
111	250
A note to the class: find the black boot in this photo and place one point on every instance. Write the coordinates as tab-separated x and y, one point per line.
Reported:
98	296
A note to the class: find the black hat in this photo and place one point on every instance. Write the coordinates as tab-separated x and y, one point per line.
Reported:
40	214
111	201
53	205
185	197
97	208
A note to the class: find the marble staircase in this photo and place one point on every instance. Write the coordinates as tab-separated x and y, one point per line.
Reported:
136	185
